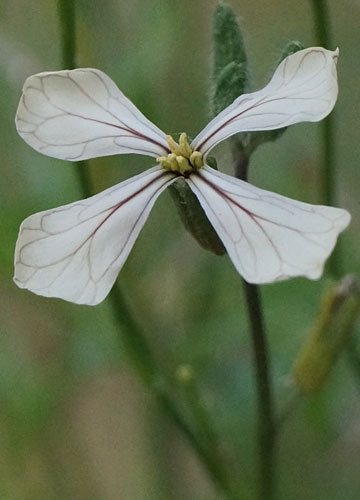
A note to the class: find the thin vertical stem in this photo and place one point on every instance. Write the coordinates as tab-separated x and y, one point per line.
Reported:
265	402
322	22
324	38
204	426
266	414
66	10
328	129
133	339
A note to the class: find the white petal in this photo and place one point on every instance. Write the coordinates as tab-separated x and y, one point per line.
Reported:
303	88
80	114
75	252
267	236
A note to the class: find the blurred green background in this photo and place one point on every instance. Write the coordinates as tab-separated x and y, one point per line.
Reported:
75	422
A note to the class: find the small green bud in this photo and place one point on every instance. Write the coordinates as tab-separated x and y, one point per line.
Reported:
338	312
229	82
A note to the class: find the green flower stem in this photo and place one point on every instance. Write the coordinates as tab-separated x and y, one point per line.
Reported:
266	423
267	426
66	10
132	338
328	178
230	75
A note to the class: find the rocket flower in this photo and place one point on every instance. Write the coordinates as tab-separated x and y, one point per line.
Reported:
76	251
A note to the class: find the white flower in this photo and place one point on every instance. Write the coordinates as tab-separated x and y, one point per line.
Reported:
75	252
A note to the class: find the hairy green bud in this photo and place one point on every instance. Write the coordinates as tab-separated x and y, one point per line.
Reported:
230	68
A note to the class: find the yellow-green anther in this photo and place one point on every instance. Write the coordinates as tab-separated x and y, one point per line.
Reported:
166	164
196	159
185	146
172	159
163	162
184	165
174	147
182	158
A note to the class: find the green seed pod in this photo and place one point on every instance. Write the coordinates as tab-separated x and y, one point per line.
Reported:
331	331
194	218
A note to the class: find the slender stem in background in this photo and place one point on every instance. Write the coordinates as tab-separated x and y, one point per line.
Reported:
328	174
201	416
266	410
143	361
66	10
133	339
186	379
324	38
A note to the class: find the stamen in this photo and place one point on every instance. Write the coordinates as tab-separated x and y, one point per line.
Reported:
182	158
184	165
174	147
185	146
172	158
196	159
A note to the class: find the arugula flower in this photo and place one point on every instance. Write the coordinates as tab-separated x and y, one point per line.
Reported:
76	251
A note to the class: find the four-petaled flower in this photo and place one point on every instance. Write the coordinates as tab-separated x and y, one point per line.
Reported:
76	251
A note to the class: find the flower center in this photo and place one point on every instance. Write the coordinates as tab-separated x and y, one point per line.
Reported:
182	158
